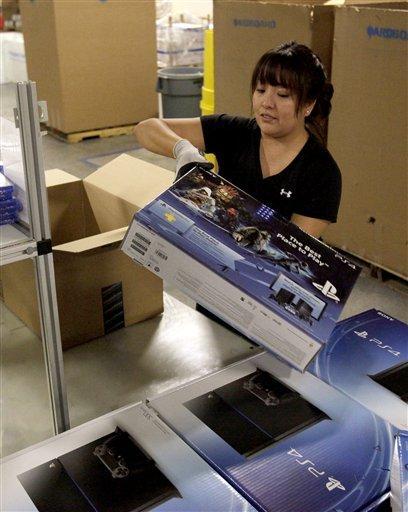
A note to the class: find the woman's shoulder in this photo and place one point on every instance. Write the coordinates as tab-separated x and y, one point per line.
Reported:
229	121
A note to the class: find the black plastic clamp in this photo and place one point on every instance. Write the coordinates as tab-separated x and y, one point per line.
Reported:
44	247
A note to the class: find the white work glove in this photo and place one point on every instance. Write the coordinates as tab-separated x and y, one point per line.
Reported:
187	156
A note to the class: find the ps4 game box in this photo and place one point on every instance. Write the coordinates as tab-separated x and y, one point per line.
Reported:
245	263
366	358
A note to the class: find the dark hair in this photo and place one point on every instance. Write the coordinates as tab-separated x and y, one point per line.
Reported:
295	67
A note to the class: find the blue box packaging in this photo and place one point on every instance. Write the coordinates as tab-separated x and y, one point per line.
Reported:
366	358
12	205
8	218
339	461
6	188
241	260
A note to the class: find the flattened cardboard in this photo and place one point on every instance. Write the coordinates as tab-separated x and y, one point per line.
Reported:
86	260
367	134
109	239
94	62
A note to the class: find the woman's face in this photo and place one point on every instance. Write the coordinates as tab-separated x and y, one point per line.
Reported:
275	111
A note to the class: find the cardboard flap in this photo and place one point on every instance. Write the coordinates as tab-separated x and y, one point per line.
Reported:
92	242
130	179
55	177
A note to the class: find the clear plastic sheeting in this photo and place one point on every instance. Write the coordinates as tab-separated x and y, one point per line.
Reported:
180	40
13	61
13	168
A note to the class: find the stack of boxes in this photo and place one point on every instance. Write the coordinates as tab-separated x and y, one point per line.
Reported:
355	374
9	205
94	63
13	183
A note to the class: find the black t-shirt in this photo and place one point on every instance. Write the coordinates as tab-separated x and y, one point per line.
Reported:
310	185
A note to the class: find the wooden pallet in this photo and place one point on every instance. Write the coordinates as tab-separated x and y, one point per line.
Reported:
73	138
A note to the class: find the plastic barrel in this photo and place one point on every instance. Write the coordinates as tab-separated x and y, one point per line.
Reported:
180	88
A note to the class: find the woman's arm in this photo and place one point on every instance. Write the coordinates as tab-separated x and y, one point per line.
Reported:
314	227
160	135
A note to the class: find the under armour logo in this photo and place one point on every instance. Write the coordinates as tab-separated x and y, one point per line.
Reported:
286	193
328	290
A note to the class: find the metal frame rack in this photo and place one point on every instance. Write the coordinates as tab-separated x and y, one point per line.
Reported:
17	243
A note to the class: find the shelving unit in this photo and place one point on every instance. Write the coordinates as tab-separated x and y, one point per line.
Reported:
34	241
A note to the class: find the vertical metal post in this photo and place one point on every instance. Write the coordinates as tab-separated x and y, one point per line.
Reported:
29	124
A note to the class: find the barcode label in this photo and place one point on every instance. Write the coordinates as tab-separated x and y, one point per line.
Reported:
143	238
135	244
141	249
161	255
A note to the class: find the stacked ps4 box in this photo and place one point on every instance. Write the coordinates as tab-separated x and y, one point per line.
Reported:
285	290
10	206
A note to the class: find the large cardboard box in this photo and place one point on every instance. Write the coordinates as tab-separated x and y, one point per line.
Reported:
244	30
368	134
94	62
98	288
246	264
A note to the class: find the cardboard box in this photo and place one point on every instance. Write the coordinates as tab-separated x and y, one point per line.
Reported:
367	134
98	287
94	62
366	358
238	258
254	437
244	30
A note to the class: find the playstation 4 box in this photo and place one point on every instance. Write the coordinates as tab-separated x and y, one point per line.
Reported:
366	358
245	263
284	439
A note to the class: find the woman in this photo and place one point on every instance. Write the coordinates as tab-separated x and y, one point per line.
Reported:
273	156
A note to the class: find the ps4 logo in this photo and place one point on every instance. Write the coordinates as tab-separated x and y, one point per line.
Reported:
328	289
364	335
331	484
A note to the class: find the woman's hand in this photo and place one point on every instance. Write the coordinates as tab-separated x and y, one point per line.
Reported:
185	153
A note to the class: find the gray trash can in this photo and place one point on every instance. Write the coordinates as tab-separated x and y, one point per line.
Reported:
180	88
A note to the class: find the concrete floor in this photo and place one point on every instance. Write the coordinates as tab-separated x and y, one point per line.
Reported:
139	361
